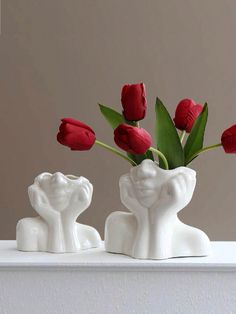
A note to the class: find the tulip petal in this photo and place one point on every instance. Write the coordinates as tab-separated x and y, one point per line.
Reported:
78	123
76	135
133	99
132	139
186	114
228	140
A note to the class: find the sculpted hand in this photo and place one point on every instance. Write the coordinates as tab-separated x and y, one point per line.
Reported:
80	199
41	204
176	193
128	197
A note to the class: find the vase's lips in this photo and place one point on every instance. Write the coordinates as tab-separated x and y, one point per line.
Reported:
144	192
143	184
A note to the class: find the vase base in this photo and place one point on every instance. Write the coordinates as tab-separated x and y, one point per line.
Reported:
179	242
32	236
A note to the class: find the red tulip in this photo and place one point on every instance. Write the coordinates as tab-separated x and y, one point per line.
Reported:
186	114
228	140
133	99
75	134
132	139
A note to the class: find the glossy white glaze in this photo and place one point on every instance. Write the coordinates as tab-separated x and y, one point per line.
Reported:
153	230
59	200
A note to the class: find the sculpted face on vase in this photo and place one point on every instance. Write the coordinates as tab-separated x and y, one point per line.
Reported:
61	192
152	187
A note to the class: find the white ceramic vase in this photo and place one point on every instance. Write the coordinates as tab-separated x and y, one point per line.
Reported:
58	199
153	230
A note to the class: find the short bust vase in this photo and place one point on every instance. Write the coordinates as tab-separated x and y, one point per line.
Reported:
153	230
58	199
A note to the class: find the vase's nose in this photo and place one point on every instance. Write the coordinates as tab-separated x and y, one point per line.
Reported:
58	178
145	170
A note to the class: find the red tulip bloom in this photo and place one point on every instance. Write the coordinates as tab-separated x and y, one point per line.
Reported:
132	139
228	140
186	114
133	99
75	134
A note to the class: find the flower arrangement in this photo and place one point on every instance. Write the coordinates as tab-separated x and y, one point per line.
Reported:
178	141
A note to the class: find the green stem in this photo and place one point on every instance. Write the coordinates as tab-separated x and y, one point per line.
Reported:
205	149
116	151
162	156
182	136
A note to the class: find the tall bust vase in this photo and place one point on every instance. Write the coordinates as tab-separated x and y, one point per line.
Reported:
152	229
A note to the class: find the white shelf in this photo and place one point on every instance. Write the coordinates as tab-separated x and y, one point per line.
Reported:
223	258
94	281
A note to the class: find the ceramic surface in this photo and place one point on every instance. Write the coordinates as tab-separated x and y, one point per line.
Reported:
58	199
152	229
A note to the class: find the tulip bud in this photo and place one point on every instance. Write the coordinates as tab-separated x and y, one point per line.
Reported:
75	134
133	99
132	139
228	140
186	114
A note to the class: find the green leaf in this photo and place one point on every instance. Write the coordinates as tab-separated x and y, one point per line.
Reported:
139	158
149	155
195	139
113	117
168	141
136	158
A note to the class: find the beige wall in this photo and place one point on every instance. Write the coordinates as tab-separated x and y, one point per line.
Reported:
59	58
